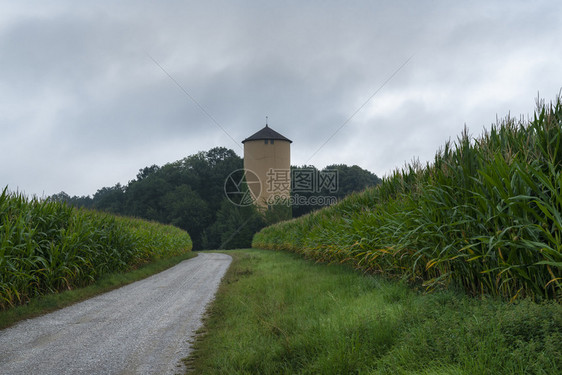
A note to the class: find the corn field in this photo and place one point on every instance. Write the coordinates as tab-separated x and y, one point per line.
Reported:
46	247
485	215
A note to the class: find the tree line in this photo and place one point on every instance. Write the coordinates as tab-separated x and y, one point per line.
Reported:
189	193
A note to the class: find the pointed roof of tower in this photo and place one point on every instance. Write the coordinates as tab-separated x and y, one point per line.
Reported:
266	133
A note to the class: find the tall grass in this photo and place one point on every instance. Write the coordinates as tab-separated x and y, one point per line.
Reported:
48	246
485	215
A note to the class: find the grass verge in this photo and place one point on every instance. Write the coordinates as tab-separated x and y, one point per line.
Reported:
51	302
276	313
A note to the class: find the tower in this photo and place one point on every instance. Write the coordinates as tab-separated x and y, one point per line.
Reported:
267	162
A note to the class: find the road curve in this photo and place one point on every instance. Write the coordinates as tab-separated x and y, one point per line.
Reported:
141	328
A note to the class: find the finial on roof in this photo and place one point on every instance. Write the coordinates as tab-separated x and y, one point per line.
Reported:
266	120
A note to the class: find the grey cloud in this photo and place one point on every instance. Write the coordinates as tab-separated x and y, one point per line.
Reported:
78	86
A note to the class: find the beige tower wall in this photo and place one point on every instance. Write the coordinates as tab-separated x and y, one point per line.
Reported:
259	158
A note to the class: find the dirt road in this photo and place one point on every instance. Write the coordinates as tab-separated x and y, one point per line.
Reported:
142	328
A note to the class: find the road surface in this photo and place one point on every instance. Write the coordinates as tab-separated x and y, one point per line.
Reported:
141	328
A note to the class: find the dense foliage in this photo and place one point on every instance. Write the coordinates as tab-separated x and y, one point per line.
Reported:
48	246
189	194
485	216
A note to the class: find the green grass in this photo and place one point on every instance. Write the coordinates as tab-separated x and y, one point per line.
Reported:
276	313
51	302
484	216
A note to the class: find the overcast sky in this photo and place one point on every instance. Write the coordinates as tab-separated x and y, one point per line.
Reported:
92	91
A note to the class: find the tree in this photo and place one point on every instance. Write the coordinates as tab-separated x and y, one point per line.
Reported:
143	198
60	197
147	171
190	194
83	201
186	193
110	199
346	181
208	171
234	228
352	179
185	209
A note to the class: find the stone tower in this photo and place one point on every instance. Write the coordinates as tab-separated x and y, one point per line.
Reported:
267	162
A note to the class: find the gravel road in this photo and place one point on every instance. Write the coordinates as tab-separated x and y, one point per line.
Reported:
141	328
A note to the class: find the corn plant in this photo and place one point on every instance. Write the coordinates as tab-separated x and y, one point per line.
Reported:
484	215
46	246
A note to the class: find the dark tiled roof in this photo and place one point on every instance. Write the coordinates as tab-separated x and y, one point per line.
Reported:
266	133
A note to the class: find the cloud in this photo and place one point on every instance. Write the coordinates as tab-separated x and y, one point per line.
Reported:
84	105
